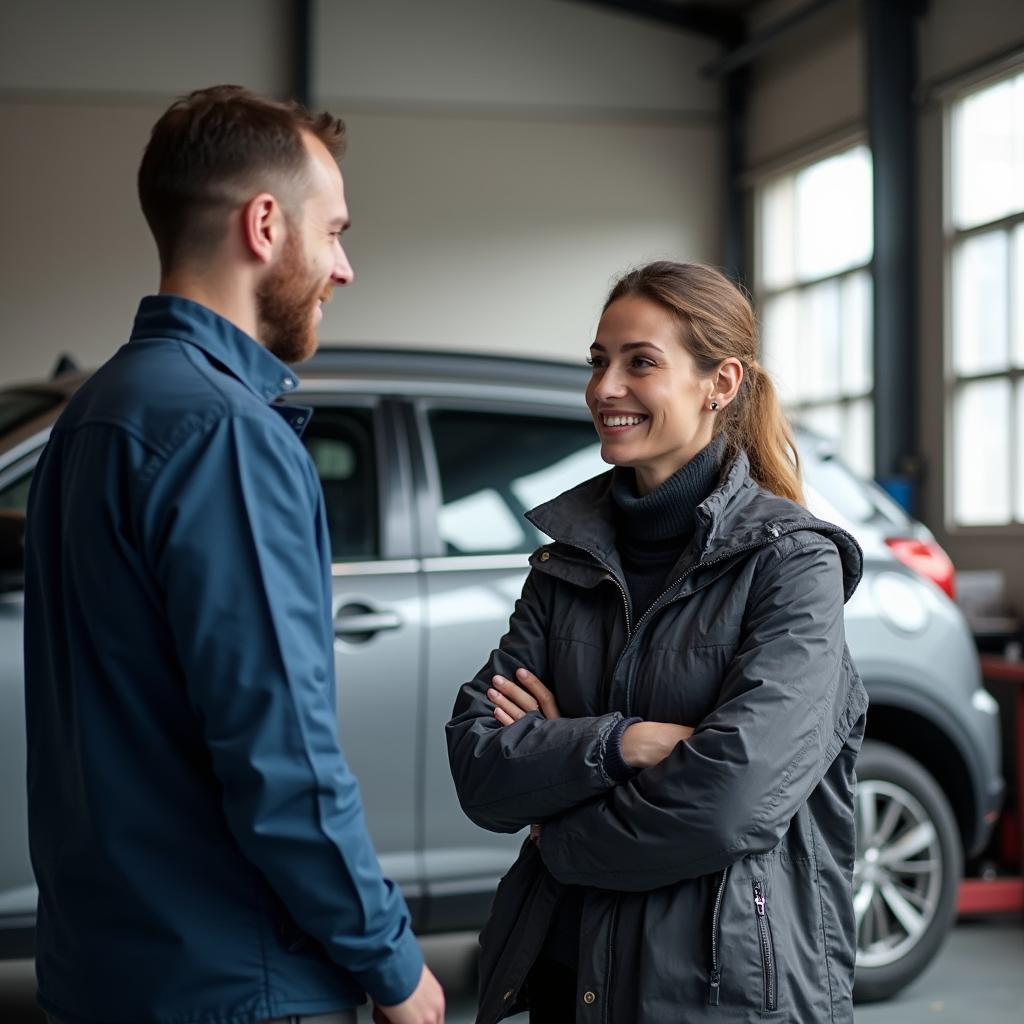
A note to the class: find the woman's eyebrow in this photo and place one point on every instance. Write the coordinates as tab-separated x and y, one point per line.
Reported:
629	345
639	344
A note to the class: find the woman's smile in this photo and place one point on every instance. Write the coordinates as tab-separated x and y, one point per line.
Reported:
616	424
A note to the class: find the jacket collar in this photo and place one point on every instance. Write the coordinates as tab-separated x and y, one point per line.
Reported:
583	516
737	516
172	316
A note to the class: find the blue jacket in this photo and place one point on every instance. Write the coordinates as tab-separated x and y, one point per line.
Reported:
197	837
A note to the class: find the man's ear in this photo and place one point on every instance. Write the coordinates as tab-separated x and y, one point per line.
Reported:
263	227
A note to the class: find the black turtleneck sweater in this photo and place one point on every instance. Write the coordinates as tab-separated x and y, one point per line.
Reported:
651	533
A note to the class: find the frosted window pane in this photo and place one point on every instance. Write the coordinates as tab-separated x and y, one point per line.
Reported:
981	453
1017	294
819	342
858	438
980	303
826	420
857	357
833	214
984	186
1020	451
779	348
777	243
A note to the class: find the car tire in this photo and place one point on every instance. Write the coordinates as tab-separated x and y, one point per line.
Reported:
907	874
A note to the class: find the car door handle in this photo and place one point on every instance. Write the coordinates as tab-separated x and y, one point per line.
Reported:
360	622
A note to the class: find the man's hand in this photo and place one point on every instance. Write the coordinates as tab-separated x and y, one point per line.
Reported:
645	744
513	700
424	1006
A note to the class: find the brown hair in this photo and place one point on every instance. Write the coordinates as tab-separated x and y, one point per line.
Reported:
211	151
717	322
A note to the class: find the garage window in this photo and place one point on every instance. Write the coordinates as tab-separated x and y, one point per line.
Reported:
815	243
985	274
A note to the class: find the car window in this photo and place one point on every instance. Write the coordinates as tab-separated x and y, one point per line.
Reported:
496	466
341	444
19	406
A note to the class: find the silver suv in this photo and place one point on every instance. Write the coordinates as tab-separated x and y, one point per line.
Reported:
428	461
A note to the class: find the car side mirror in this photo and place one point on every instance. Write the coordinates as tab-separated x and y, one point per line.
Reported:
12	550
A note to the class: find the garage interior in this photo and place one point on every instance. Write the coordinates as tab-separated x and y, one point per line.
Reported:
857	165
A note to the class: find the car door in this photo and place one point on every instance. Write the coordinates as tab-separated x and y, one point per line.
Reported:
17	885
484	465
363	468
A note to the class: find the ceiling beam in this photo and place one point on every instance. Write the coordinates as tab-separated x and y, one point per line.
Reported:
703	19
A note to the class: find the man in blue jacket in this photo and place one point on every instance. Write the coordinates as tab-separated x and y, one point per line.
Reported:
197	837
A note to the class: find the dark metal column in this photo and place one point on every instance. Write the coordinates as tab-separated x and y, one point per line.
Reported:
892	130
737	202
302	51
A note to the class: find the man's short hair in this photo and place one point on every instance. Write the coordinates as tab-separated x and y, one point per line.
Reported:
213	150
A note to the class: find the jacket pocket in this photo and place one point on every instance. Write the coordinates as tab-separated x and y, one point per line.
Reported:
769	969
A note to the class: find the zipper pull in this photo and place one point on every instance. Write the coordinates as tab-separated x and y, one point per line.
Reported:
713	988
759	899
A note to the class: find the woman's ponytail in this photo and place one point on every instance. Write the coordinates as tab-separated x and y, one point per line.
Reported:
756	423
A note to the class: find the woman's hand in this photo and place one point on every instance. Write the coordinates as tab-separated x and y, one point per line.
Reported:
512	700
645	744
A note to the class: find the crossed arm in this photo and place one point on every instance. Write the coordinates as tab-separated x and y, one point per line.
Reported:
788	701
644	744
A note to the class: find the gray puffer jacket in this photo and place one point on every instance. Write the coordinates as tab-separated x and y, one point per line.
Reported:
718	883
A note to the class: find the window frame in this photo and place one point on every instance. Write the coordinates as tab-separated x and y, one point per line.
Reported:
953	238
393	476
759	182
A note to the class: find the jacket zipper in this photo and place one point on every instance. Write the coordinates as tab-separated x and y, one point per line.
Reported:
764	934
612	578
631	629
715	981
672	586
716	970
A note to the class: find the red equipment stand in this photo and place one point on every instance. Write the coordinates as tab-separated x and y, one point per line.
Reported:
1003	895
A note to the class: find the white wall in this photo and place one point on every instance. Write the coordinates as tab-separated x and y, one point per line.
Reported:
134	48
505	161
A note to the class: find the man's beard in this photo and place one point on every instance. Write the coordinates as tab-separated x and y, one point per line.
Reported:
285	302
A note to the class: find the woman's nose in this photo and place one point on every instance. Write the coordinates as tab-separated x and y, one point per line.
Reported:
611	384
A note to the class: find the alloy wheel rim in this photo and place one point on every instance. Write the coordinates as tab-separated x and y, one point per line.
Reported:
897	877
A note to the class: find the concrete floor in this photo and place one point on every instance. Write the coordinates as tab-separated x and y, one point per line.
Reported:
977	979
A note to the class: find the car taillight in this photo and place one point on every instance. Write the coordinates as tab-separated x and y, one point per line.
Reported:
926	558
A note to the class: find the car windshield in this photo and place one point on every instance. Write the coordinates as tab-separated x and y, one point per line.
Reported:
860	501
19	406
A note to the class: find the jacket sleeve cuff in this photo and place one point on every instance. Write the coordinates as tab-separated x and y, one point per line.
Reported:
396	978
614	763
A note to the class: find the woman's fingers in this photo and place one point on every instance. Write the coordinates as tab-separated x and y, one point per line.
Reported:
518	699
513	706
503	717
544	697
514	693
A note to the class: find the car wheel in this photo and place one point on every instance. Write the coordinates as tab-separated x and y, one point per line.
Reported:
907	872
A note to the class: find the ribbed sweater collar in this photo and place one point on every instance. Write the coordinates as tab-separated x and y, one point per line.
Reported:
669	511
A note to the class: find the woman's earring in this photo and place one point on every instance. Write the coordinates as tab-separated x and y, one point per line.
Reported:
714	407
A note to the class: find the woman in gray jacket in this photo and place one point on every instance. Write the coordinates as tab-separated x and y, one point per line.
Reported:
673	708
